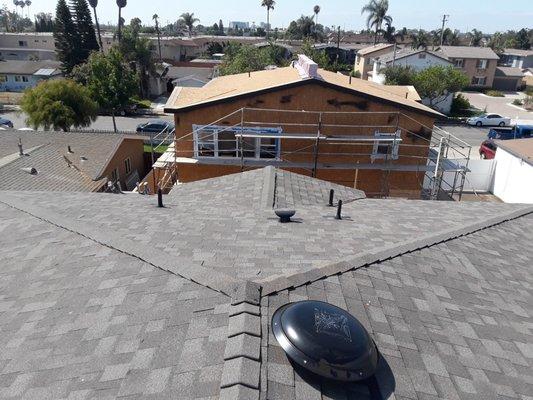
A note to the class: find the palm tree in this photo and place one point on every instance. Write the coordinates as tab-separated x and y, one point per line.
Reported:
316	10
269	4
28	4
189	20
475	38
377	15
22	5
155	17
420	39
94	4
121	4
390	34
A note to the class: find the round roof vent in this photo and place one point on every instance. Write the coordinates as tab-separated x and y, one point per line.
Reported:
285	215
325	340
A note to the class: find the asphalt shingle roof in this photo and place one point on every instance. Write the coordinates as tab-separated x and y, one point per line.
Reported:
469	52
27	67
106	296
57	168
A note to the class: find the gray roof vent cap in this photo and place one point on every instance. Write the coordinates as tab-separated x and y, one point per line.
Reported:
285	215
325	340
30	170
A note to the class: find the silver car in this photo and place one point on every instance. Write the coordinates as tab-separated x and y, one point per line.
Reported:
489	120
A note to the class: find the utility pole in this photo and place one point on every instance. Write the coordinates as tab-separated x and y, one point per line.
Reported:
444	20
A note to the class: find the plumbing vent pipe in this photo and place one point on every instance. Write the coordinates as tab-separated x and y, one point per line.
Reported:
339	210
69	149
30	170
21	151
331	194
83	158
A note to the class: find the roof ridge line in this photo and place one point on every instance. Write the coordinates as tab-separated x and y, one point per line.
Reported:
11	158
373	256
211	279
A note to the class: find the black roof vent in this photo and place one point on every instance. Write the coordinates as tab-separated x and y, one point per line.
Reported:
325	340
285	215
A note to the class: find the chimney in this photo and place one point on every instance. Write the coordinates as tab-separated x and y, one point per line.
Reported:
307	67
21	152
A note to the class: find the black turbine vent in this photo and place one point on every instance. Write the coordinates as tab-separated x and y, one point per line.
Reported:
325	340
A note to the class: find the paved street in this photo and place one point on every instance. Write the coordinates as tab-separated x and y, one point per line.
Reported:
499	105
102	123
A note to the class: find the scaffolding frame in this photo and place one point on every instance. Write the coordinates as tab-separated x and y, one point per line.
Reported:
433	166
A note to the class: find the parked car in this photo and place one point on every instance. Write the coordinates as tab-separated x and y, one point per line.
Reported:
489	120
487	150
155	126
515	132
6	123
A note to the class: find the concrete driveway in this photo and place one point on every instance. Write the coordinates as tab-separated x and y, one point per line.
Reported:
500	105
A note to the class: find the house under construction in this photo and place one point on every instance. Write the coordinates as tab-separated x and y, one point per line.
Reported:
306	120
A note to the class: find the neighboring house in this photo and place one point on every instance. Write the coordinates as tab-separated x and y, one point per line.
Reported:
364	60
417	60
107	296
190	76
254	120
514	171
508	79
517	58
17	76
478	63
70	162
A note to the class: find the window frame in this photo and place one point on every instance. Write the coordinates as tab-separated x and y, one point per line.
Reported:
482	64
127	165
459	62
393	153
211	141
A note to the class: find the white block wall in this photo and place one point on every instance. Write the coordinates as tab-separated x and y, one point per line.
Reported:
513	179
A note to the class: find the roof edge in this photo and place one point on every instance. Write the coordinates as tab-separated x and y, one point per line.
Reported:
191	107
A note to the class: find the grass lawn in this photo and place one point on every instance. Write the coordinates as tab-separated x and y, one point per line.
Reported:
160	150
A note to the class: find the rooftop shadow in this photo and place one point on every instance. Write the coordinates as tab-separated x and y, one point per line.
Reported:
380	387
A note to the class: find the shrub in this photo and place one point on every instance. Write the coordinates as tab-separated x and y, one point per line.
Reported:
356	74
494	93
460	105
518	102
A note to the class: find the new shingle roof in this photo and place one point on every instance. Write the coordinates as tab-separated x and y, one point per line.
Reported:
175	302
406	52
57	168
485	53
226	88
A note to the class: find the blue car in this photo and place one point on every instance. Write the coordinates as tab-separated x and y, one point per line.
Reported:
516	132
6	123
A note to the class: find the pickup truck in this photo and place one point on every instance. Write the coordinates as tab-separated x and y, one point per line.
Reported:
515	132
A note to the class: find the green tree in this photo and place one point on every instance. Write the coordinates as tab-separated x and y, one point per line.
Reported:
120	4
399	75
390	34
475	38
318	56
269	5
434	83
109	80
67	39
420	40
189	20
94	4
377	15
59	104
523	39
244	58
137	51
85	28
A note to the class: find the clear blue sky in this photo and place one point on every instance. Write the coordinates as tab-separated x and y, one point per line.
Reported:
488	15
